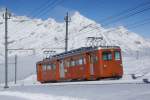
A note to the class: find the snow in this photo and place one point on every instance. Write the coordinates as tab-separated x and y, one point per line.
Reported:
123	89
41	35
79	92
35	96
48	34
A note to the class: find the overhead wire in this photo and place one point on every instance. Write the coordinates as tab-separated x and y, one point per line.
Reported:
129	15
121	15
126	16
48	7
125	11
131	26
37	10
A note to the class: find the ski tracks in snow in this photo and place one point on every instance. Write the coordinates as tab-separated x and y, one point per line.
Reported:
35	96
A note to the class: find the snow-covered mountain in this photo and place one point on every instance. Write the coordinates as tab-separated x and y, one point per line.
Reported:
25	32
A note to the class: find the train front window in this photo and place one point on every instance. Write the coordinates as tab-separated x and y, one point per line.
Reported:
117	55
107	56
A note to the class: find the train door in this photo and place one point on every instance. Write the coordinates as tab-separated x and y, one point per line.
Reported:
94	69
53	66
61	67
44	72
91	65
107	63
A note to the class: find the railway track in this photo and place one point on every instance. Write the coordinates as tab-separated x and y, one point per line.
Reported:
136	82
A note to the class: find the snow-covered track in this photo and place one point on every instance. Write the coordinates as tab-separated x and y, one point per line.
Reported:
108	82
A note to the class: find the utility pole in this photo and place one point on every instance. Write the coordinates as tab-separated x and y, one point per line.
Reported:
15	69
67	20
6	16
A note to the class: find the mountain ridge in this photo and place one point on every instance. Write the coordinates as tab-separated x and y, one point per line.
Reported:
25	32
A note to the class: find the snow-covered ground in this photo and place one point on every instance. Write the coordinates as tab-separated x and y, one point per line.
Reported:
77	92
123	89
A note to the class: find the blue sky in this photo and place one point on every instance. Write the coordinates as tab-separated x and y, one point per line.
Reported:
97	10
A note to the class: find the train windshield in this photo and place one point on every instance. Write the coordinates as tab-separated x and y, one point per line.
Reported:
117	55
107	56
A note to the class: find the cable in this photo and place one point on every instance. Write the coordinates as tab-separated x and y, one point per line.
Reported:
40	8
121	13
125	11
56	3
134	25
137	25
129	15
48	8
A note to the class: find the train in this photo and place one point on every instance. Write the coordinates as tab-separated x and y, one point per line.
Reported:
85	63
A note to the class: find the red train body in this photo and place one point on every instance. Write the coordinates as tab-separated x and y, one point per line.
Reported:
86	63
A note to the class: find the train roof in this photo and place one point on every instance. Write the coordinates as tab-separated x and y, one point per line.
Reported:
79	51
85	49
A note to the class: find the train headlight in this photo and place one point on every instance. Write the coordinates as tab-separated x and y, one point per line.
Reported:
105	66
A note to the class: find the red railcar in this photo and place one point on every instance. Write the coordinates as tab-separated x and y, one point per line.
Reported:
86	63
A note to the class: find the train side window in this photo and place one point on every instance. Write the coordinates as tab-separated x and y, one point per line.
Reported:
107	56
77	62
67	63
44	67
84	61
80	61
117	55
72	63
53	66
49	67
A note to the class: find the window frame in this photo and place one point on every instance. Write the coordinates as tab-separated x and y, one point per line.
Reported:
118	55
108	55
53	66
72	63
49	67
44	67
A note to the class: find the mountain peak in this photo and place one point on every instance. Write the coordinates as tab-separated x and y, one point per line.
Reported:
76	13
79	18
122	29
